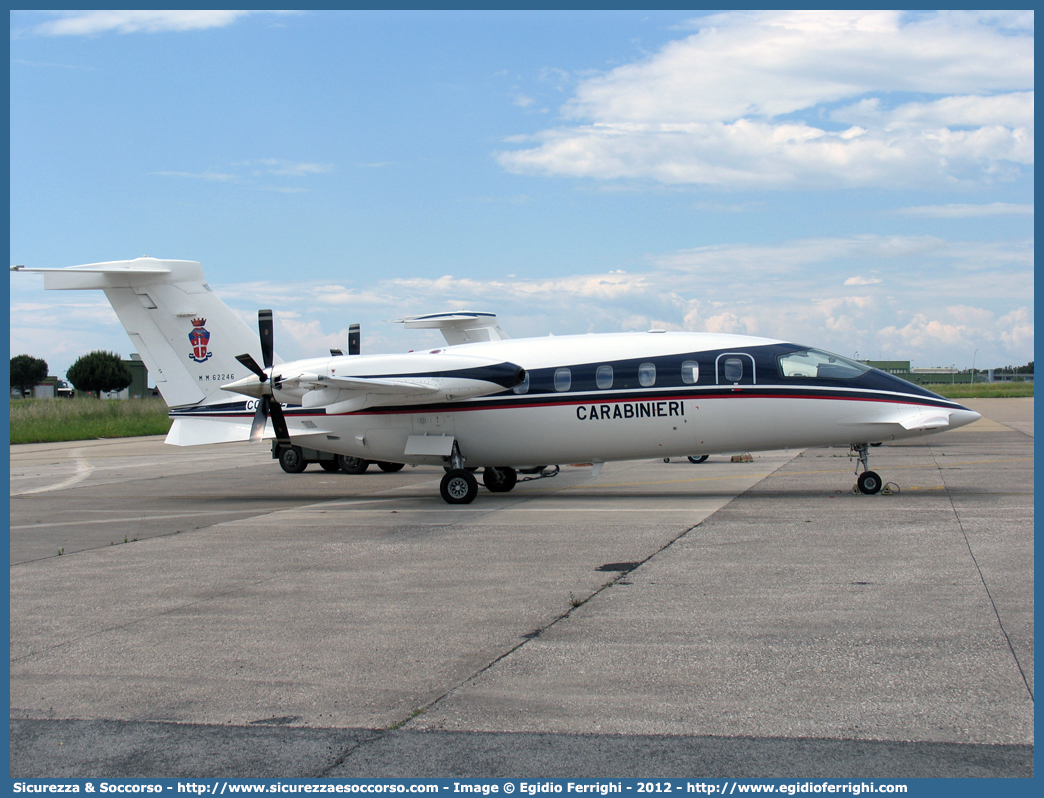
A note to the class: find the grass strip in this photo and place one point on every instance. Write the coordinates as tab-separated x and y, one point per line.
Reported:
79	419
984	390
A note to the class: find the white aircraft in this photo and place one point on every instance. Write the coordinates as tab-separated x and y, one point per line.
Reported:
484	401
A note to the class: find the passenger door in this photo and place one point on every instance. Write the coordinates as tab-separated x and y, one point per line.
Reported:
735	368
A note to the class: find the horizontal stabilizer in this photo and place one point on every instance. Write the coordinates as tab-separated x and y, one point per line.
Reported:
117	274
459	327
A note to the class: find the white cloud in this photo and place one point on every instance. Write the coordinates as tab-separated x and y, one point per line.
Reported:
1017	329
920	298
249	172
220	177
961	211
90	23
276	166
309	336
1007	110
742	103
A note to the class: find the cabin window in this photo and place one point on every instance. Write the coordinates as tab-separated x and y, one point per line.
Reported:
647	375
523	387
690	372
563	379
814	363
604	377
733	369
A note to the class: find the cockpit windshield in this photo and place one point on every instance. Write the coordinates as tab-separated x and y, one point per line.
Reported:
819	364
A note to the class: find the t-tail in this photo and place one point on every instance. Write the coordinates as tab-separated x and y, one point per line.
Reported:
187	337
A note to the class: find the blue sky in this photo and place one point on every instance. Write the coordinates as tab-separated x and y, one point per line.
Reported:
858	181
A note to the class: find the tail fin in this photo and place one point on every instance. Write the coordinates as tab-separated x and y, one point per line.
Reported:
187	337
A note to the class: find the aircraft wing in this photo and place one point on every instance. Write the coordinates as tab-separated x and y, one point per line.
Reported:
382	386
458	327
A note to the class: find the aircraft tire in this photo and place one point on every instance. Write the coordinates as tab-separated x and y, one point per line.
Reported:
499	480
459	487
869	483
698	459
329	465
391	468
291	460
352	465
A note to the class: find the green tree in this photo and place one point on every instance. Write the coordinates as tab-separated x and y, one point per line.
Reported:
99	371
27	371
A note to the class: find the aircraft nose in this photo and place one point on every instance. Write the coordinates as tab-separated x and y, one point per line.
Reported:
963	417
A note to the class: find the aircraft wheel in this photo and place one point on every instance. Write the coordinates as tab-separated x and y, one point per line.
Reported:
391	468
292	461
459	487
869	483
329	465
499	480
352	465
698	459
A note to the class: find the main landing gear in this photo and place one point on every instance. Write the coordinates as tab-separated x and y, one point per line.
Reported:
868	482
499	480
459	485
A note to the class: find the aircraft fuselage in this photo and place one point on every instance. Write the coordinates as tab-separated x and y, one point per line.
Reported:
621	396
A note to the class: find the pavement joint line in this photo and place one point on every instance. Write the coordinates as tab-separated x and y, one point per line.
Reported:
588	509
135	518
575	605
927	466
989	595
381	733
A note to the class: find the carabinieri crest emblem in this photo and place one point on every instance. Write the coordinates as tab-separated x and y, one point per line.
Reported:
199	338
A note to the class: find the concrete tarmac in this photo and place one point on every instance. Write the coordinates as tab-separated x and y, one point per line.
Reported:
724	619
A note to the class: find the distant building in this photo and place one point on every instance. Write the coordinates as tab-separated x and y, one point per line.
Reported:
947	374
49	388
997	375
139	387
920	376
937	371
900	367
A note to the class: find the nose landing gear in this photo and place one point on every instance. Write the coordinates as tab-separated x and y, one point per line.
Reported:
868	482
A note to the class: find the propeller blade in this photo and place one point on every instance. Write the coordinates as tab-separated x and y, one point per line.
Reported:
248	361
354	335
264	327
279	422
257	428
266	407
